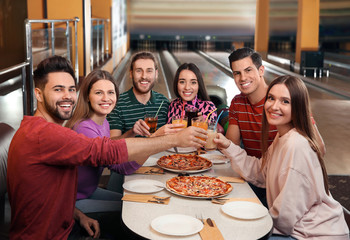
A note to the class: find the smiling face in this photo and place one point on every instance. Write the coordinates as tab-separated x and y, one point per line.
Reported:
278	108
144	75
58	97
102	98
248	78
187	85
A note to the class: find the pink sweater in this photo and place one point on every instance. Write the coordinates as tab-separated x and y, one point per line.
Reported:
298	203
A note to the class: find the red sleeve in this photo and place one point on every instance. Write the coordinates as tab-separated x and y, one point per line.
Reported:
63	146
232	114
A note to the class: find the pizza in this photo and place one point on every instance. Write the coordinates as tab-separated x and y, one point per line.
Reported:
184	162
198	186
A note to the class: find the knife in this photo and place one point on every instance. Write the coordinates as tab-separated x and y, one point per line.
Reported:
210	222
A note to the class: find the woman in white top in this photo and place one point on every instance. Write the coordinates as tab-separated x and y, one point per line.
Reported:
292	168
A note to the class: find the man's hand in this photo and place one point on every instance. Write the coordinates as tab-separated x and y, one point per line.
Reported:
90	225
141	128
221	141
168	129
190	137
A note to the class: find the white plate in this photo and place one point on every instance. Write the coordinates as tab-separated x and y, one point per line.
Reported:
216	158
244	210
183	150
177	225
143	186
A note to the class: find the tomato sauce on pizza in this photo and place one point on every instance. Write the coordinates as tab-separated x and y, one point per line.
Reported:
184	162
198	186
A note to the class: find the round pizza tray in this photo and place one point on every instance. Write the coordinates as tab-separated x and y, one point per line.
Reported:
185	171
205	198
205	168
197	197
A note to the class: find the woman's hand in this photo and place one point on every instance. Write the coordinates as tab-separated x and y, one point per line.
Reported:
221	141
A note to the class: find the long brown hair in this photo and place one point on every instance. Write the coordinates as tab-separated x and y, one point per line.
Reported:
301	119
83	110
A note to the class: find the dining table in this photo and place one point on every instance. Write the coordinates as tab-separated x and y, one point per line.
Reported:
139	216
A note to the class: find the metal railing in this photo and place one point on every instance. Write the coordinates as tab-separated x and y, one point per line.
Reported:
29	49
23	75
99	41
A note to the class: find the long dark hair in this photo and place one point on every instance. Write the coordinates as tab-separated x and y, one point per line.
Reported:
83	110
202	91
301	119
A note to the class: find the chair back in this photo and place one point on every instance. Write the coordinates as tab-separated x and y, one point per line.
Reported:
6	134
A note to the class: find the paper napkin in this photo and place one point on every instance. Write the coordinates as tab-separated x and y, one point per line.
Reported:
232	179
225	200
150	170
210	233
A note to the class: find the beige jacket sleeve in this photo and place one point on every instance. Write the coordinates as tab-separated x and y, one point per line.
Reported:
246	166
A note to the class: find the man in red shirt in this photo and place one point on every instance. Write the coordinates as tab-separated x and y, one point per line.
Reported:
43	155
245	113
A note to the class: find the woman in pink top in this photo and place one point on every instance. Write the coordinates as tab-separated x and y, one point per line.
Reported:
292	168
191	93
190	90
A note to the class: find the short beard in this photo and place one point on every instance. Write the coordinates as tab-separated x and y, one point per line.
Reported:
141	91
54	113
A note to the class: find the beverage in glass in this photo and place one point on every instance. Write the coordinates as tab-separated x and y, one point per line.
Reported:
151	121
180	120
190	112
200	122
210	145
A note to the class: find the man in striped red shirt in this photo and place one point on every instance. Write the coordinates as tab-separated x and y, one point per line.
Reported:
245	114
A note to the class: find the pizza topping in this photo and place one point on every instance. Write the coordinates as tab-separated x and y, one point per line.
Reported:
184	162
198	186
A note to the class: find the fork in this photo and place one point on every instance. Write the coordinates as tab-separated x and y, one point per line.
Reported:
219	200
157	201
162	198
155	171
199	217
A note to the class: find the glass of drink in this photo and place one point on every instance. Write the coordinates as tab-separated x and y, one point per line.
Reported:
180	120
200	122
190	112
151	121
210	145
